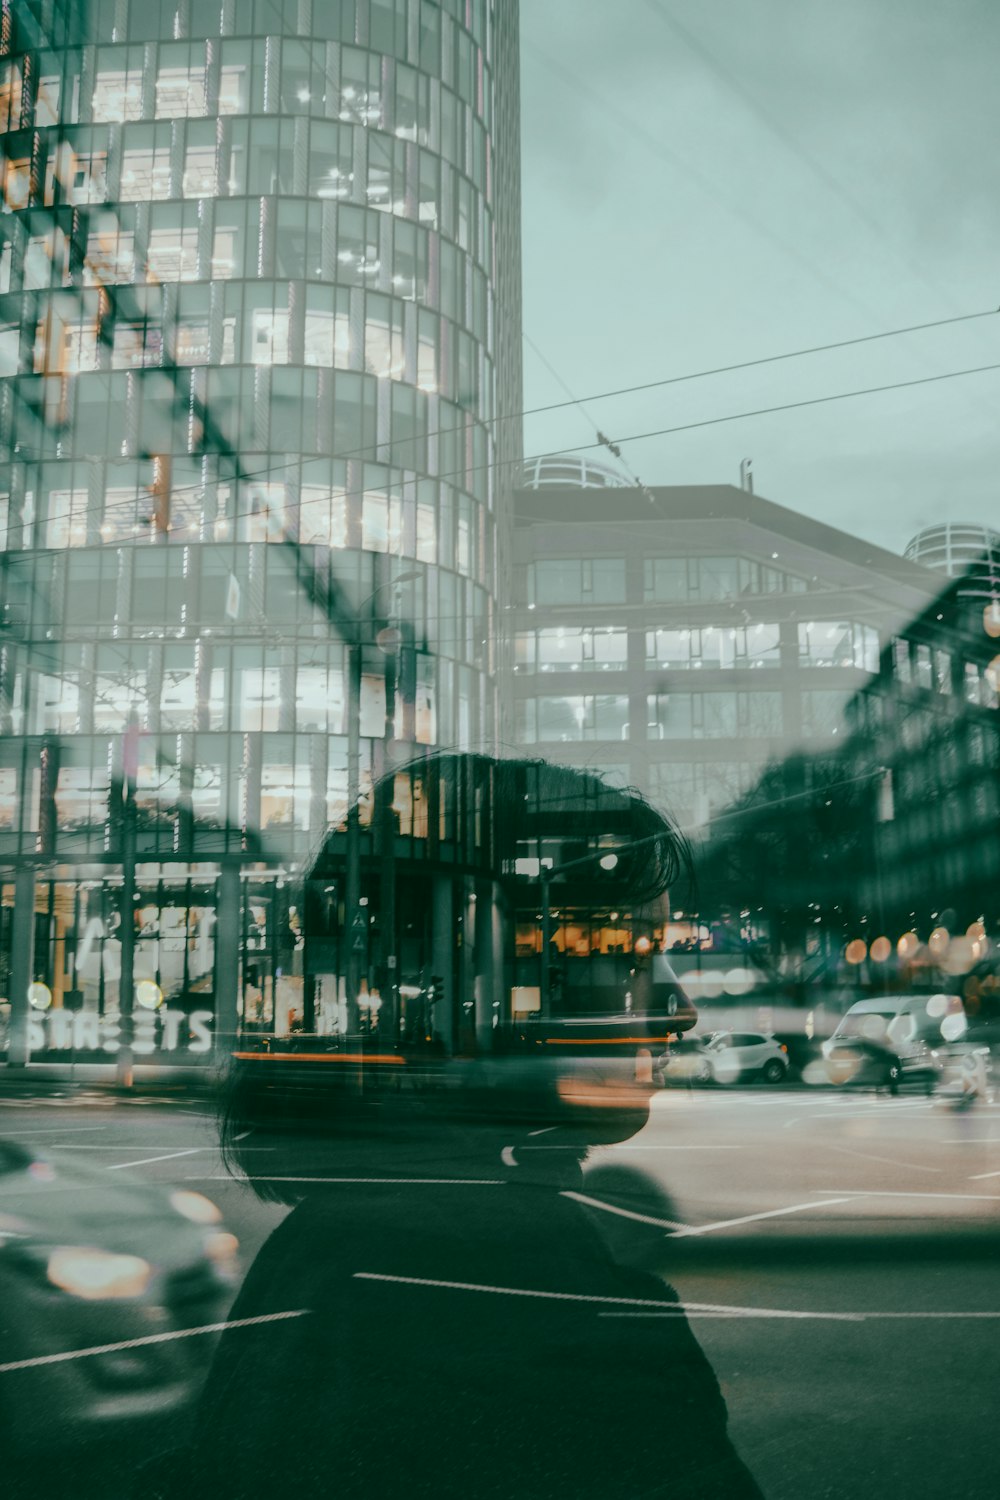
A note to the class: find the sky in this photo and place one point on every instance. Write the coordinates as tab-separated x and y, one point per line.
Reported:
706	182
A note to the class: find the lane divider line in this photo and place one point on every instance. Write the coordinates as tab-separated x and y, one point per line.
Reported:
149	1338
622	1213
772	1213
121	1166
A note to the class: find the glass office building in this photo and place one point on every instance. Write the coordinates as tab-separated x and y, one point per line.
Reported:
259	327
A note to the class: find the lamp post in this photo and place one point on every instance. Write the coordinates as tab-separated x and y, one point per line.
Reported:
356	921
607	859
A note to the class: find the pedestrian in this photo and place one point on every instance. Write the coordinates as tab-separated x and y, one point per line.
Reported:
438	1317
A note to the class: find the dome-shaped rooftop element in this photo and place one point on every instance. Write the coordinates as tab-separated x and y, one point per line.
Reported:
962	550
570	471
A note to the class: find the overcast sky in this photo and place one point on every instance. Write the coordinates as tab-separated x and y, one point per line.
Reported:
708	181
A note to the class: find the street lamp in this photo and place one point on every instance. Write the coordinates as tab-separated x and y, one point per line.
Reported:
356	921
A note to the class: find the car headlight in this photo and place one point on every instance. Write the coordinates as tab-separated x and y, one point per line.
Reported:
98	1275
195	1206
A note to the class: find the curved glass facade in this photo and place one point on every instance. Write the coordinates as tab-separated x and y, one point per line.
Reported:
259	330
962	550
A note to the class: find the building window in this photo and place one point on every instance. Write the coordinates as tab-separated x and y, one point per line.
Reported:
577	581
836	643
823	714
711	715
575	718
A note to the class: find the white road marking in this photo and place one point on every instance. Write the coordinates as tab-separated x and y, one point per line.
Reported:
243	1135
510	1291
979	1176
149	1338
623	1213
663	1308
146	1161
619	1150
102	1146
696	1310
772	1213
56	1130
916	1193
544	1130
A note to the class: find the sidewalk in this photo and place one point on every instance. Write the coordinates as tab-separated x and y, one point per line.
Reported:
64	1080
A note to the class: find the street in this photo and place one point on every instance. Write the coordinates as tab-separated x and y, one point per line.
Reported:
835	1256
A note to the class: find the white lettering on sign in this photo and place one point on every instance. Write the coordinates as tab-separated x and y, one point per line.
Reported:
163	1030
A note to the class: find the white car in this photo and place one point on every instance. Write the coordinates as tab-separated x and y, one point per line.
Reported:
729	1056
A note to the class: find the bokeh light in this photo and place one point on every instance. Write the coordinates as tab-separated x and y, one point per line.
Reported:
939	942
908	945
856	951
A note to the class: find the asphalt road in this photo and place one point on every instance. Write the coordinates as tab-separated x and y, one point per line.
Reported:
837	1257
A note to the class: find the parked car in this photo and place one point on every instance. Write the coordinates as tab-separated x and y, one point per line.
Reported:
727	1057
94	1263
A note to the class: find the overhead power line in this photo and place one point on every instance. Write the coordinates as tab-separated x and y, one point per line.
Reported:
738	416
242	474
750	364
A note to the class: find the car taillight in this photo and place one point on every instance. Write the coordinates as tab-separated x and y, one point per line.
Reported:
782	1046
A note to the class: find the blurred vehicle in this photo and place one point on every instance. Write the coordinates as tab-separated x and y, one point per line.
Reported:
93	1263
727	1057
893	1042
862	1062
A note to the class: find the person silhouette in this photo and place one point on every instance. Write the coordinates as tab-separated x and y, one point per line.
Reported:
438	1315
